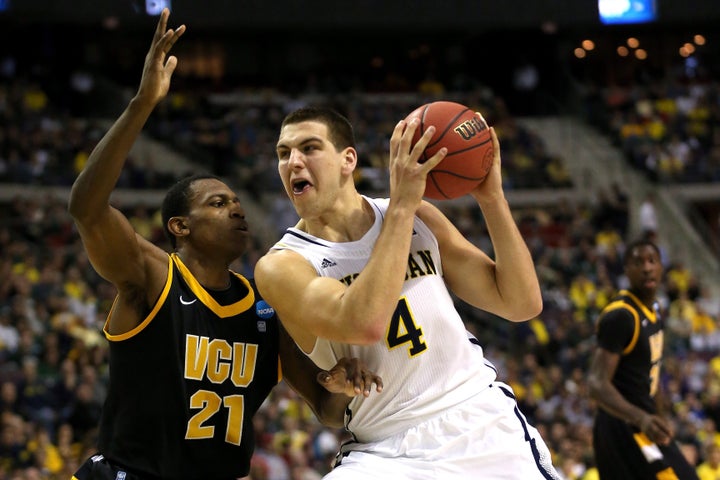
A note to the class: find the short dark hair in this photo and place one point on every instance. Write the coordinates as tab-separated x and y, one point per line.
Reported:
177	201
340	130
641	242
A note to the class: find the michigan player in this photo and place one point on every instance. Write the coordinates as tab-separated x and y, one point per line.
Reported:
368	277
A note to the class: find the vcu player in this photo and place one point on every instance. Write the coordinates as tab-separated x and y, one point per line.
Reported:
630	438
194	349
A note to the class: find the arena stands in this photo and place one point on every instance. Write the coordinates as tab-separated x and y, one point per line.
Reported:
569	183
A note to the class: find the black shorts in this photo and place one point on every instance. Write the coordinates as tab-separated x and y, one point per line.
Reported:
622	453
98	467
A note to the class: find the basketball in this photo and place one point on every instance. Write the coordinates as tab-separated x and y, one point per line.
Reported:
470	149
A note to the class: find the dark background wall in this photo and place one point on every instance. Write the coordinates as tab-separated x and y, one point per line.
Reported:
471	15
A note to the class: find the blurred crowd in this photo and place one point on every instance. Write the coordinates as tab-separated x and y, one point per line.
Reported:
54	359
669	129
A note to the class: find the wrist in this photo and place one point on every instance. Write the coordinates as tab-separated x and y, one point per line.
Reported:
642	420
141	104
487	202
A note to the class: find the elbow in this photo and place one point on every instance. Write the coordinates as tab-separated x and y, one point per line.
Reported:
369	334
367	338
359	326
77	208
535	307
86	202
74	208
534	303
527	310
594	387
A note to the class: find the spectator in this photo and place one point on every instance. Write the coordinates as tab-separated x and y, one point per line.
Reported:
709	469
647	214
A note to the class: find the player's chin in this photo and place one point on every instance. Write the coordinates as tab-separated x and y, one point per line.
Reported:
239	240
650	285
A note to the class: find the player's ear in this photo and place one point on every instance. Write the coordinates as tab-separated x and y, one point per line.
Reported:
178	226
350	159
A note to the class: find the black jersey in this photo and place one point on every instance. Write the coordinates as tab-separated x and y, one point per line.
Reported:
622	452
186	382
628	327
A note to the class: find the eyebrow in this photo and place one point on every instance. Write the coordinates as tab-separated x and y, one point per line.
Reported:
313	138
222	196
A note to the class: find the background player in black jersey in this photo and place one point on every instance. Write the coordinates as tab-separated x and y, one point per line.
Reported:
194	350
631	440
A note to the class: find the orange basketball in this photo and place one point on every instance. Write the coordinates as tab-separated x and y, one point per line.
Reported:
470	150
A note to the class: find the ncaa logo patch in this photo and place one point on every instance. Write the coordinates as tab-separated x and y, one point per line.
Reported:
120	475
263	310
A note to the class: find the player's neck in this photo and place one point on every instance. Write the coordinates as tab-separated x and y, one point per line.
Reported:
210	273
347	221
647	298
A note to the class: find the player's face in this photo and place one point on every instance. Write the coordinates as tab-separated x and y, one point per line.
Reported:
216	219
308	163
644	269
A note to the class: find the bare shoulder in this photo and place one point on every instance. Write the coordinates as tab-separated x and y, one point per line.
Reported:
283	278
426	208
276	263
279	256
154	255
433	217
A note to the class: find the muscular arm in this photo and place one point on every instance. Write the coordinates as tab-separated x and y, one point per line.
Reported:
602	369
114	248
312	306
507	286
327	393
134	265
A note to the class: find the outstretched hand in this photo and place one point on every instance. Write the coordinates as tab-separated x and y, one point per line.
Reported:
159	67
351	377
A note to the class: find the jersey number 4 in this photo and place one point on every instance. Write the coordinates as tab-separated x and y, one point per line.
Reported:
404	330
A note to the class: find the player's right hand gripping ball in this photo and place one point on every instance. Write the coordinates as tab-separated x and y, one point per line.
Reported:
470	149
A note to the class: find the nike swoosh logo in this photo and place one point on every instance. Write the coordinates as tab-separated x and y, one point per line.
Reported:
184	302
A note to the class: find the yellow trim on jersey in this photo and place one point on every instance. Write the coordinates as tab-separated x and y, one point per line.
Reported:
648	448
652	452
650	314
667	474
150	316
222	311
636	333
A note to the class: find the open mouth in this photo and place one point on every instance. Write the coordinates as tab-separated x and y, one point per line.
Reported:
299	186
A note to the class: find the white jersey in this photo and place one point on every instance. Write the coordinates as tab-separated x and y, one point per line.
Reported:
426	360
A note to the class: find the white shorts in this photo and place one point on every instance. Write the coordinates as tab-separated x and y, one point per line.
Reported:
486	437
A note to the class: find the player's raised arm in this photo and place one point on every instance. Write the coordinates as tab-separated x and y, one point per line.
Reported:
109	239
506	285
